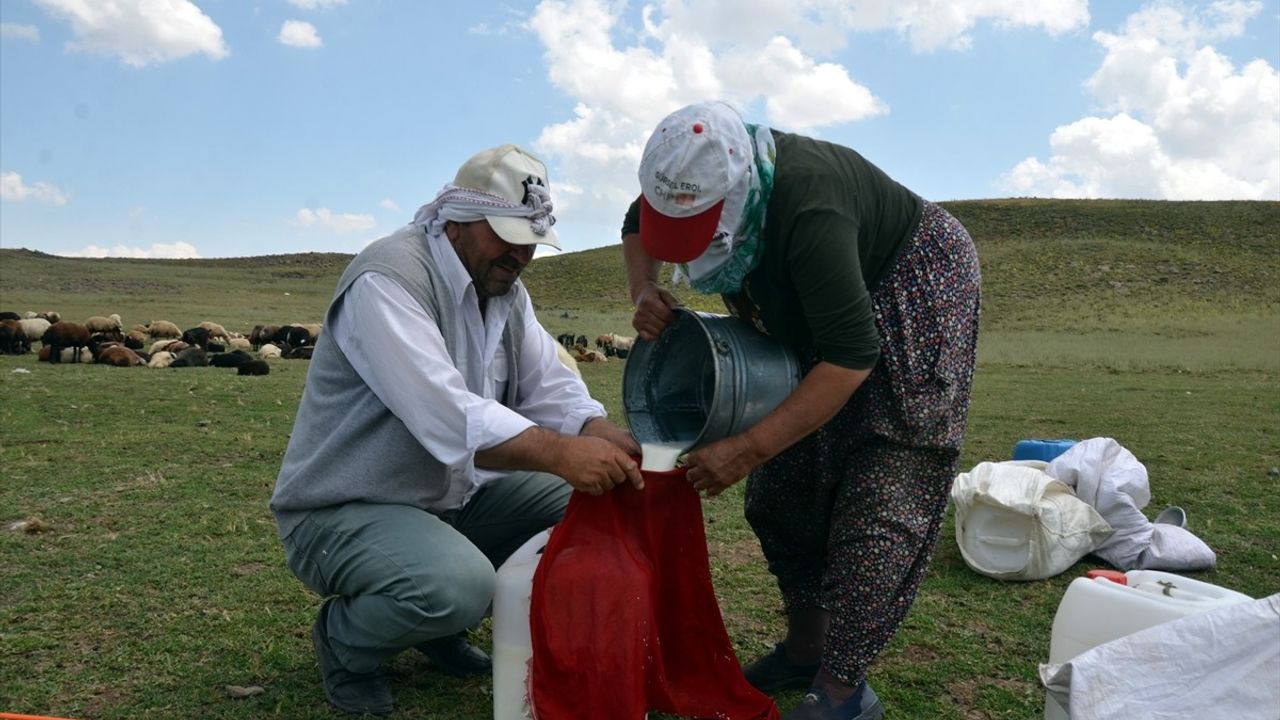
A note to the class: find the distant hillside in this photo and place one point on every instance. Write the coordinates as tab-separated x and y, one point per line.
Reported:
1046	263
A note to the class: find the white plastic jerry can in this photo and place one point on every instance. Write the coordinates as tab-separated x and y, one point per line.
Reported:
1108	604
512	641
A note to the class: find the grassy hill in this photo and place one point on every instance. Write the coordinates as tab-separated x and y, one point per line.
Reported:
1172	279
157	579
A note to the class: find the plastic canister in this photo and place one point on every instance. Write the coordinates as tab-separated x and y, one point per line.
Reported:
705	378
1108	604
1045	450
512	641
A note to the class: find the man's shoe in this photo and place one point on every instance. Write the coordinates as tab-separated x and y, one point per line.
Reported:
453	655
774	672
861	705
356	693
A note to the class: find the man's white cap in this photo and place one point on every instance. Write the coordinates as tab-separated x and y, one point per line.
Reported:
692	159
507	172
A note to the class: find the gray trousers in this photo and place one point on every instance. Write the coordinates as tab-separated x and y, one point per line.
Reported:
402	576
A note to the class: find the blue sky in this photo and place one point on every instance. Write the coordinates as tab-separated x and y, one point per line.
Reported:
215	128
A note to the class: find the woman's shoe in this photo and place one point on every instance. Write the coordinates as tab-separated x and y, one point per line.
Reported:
773	672
861	705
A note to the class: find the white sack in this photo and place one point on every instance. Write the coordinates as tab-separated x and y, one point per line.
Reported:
1015	522
1107	476
1218	665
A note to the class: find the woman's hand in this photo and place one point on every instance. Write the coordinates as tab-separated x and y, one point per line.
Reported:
654	311
716	467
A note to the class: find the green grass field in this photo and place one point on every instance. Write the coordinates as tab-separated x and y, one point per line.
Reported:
158	580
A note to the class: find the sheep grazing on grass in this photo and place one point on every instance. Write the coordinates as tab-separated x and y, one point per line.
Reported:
13	341
262	334
269	351
567	359
197	336
163	329
35	328
162	359
120	356
254	367
191	357
292	335
139	329
235	358
65	335
216	330
583	355
97	323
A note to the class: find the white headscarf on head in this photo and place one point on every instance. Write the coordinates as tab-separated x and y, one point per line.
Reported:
459	204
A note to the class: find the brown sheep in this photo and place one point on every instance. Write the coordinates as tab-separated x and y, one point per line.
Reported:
65	335
119	356
163	329
216	330
97	323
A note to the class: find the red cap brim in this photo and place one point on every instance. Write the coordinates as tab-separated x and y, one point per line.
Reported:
677	240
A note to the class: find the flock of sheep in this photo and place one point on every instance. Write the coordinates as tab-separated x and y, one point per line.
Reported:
608	345
160	344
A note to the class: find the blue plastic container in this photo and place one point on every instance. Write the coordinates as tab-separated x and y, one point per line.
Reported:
1045	450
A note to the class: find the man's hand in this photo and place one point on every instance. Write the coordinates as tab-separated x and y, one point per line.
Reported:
595	465
605	430
654	305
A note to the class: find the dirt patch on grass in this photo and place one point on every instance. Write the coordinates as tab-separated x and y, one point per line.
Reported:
249	568
965	694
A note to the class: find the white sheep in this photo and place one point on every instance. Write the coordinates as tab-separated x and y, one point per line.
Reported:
268	352
160	359
240	343
34	328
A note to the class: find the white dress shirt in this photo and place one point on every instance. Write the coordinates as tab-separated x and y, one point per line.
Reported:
453	411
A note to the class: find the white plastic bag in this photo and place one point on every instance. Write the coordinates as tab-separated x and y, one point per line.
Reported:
1219	665
1107	476
1015	522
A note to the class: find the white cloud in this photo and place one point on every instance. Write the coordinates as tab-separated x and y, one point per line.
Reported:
337	222
24	32
625	77
299	33
389	204
140	32
1185	123
316	4
158	250
14	190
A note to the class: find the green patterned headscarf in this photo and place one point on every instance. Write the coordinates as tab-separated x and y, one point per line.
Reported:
736	248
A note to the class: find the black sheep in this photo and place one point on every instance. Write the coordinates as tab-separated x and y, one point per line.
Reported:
235	358
65	334
13	340
197	336
298	353
291	335
254	367
10	315
191	357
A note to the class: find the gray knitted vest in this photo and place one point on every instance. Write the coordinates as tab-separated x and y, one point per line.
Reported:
346	445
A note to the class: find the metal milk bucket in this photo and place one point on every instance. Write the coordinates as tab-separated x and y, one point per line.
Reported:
705	378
